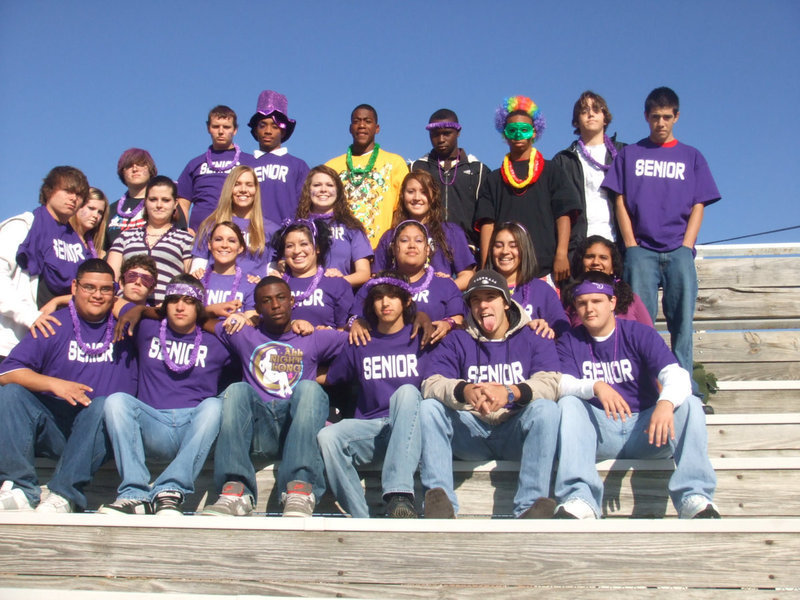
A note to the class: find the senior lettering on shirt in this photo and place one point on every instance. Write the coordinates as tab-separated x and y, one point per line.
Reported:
388	367
507	374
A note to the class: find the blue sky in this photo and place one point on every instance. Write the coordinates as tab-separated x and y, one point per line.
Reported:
83	81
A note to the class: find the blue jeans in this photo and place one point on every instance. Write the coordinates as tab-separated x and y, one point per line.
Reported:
183	436
39	425
529	436
675	272
286	428
587	435
352	443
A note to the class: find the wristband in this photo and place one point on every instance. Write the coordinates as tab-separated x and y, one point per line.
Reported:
351	320
450	321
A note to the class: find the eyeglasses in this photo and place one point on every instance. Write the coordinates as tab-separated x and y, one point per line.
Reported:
147	280
90	289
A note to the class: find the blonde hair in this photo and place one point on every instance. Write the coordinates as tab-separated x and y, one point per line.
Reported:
256	237
98	232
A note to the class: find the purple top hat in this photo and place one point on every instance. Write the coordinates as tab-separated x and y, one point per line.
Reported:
275	105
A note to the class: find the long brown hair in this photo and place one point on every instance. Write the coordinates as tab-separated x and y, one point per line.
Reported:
341	209
435	216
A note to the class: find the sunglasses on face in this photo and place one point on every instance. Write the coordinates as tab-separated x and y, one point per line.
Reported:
147	280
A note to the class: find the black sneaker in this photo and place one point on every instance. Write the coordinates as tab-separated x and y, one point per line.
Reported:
709	512
168	504
543	508
437	505
563	513
400	506
126	506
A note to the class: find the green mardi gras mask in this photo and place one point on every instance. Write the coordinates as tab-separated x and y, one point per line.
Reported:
518	131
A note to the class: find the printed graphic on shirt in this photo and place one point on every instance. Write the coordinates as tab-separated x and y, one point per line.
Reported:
75	354
69	252
179	352
507	374
615	371
665	169
277	367
365	200
276	172
390	367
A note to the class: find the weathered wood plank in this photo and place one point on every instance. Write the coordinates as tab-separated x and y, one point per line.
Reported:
744	303
780	371
749	272
746	401
576	554
731	250
747	346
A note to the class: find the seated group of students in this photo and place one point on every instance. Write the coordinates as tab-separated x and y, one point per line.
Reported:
498	388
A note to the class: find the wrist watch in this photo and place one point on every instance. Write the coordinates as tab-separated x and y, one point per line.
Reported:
510	393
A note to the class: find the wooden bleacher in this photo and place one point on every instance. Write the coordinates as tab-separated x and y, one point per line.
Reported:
748	334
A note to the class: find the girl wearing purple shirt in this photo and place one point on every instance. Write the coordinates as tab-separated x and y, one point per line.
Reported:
511	254
90	223
596	253
321	300
386	425
239	202
419	200
177	414
323	198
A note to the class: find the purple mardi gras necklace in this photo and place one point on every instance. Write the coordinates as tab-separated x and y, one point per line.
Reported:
128	214
229	166
425	282
237	278
524	294
443	177
91	248
590	159
171	365
76	326
310	289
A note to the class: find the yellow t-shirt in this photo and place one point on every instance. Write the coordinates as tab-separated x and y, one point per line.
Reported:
374	199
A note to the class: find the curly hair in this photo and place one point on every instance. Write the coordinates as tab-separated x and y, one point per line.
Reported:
322	240
341	208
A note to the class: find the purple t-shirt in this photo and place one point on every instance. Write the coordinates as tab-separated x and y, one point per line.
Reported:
440	299
347	246
330	304
540	301
220	288
273	365
202	186
381	366
281	177
251	264
510	361
629	361
59	355
162	388
661	184
53	251
456	240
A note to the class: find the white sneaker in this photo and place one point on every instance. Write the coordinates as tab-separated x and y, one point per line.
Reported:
13	498
698	506
575	508
55	504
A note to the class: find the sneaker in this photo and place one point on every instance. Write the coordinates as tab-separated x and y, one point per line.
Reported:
232	502
13	498
298	500
543	508
437	505
574	508
400	506
698	506
126	506
168	504
55	503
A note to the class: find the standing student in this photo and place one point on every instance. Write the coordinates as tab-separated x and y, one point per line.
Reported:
52	394
586	163
490	393
371	175
419	200
201	181
662	188
175	415
169	246
611	408
280	175
276	411
323	198
90	223
528	189
458	175
386	423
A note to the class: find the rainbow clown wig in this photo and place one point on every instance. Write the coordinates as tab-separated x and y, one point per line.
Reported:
523	103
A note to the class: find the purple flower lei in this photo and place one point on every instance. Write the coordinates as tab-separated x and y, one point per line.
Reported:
91	248
611	149
425	282
127	214
76	326
524	294
237	278
232	163
310	289
389	281
171	365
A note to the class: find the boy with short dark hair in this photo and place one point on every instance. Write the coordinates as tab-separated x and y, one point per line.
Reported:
662	189
371	176
201	181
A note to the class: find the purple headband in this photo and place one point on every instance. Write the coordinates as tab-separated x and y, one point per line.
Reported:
312	227
593	287
443	125
184	289
402	225
389	281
